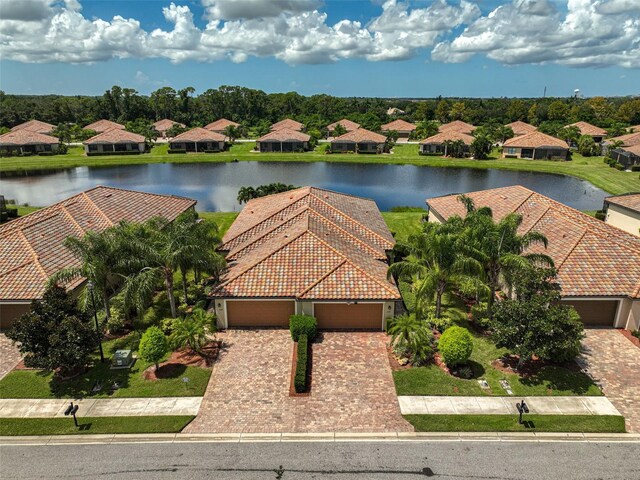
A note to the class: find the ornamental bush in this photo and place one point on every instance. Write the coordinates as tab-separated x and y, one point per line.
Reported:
455	345
303	324
153	346
300	378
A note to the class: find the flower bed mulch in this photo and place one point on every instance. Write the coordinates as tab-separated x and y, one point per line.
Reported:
185	357
630	336
294	361
393	361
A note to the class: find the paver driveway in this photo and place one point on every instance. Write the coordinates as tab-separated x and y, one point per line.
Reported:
352	387
9	356
614	362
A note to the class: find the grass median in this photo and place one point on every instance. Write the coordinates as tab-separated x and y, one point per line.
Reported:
509	423
93	425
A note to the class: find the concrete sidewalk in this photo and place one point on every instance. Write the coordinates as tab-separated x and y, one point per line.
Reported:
416	405
100	407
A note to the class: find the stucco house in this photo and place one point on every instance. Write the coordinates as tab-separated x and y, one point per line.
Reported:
521	128
162	126
32	250
626	156
103	126
287	124
19	142
598	264
35	126
537	146
598	134
348	125
437	144
623	211
404	128
307	251
283	140
219	125
198	140
115	141
360	140
457	125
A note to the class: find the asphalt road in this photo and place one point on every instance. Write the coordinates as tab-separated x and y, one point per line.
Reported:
248	461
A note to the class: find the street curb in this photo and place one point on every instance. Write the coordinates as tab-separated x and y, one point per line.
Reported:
336	437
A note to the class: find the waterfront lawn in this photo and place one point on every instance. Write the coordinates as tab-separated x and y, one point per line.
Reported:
592	169
509	423
403	224
222	219
94	425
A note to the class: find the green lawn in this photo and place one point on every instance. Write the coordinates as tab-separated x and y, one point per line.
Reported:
592	169
403	224
93	425
222	219
509	423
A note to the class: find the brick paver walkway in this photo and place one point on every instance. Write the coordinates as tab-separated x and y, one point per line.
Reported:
614	362
352	387
9	356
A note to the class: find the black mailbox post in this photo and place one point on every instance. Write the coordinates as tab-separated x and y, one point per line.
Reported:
72	410
522	408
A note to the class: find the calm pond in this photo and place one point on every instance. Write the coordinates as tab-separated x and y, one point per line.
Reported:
215	185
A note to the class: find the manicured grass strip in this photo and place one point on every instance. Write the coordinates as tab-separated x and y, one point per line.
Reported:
403	224
222	219
93	425
509	423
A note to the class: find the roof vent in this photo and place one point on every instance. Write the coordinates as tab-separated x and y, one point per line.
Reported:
107	195
326	196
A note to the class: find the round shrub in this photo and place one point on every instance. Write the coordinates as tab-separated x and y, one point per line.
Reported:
303	325
153	345
455	346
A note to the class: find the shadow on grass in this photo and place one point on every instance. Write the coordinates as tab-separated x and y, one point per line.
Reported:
558	378
83	385
477	368
170	370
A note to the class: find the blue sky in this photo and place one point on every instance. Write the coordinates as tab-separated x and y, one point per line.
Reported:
347	48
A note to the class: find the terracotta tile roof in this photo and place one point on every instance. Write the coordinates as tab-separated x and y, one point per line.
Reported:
26	137
103	126
115	136
31	247
288	124
635	149
593	258
628	140
361	135
521	128
220	124
165	124
588	129
535	140
347	124
199	135
35	126
399	126
458	125
308	243
285	135
448	135
630	201
635	128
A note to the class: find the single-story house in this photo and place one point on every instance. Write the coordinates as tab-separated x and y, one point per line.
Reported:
220	125
404	128
164	125
359	140
23	141
437	144
598	264
457	125
307	251
537	146
623	211
198	140
521	128
621	153
348	125
114	140
395	111
103	126
35	126
626	156
598	134
287	124
32	250
283	140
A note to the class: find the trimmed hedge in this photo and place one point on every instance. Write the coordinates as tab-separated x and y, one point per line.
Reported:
104	154
300	378
177	150
455	345
303	325
635	168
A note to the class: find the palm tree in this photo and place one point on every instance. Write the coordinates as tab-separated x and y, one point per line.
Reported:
98	255
499	247
191	332
412	336
436	261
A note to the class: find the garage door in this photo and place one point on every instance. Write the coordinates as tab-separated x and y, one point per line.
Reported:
259	313
342	315
596	313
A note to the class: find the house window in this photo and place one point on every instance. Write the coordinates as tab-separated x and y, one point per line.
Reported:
93	148
511	151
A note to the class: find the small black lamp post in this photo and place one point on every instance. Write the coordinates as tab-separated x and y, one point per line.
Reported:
95	316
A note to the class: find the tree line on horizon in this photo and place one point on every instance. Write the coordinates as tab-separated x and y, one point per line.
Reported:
257	109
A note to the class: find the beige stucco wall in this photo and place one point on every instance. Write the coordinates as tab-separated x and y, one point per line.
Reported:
623	218
9	312
434	217
629	314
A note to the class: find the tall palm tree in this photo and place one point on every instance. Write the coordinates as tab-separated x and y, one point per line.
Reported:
436	261
499	247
